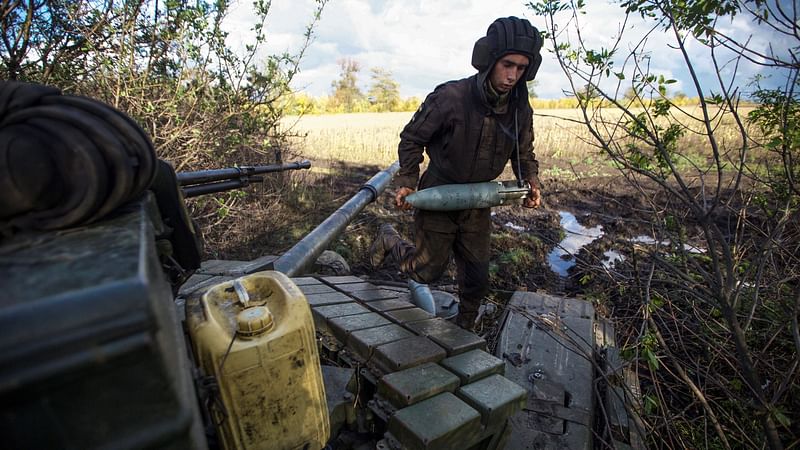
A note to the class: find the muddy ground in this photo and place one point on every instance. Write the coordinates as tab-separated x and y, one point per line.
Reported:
525	242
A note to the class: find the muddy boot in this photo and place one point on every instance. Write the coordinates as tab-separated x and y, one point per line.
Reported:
466	320
467	313
387	238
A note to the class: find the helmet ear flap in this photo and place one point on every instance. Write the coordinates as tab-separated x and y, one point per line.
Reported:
537	55
534	67
481	54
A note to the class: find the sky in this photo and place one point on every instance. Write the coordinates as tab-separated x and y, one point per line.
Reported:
426	42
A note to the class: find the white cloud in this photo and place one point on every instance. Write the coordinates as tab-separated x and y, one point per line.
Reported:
425	42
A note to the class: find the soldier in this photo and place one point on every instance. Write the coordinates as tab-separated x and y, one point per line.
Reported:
470	129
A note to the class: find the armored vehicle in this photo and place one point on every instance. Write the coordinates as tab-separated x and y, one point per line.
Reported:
116	335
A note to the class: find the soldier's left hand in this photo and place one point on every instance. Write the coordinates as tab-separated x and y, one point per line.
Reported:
534	199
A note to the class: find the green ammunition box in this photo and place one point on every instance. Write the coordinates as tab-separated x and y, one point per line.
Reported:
442	422
474	365
416	384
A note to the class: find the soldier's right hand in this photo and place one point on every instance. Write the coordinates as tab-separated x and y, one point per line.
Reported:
400	198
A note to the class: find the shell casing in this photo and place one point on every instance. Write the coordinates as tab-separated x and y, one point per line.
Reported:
454	197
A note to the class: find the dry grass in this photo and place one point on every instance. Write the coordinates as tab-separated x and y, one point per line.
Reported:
361	138
372	138
563	144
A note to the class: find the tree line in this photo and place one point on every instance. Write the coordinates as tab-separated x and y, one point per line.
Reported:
382	95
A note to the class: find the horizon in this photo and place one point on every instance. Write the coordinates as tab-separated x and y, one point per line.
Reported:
405	39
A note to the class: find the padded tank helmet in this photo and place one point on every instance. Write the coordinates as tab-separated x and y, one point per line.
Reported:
509	35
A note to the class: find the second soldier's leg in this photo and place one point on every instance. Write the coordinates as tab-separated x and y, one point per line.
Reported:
434	233
472	250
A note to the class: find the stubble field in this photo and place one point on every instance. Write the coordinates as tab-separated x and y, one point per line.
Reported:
347	149
372	138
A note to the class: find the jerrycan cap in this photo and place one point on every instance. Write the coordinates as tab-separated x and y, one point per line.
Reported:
254	321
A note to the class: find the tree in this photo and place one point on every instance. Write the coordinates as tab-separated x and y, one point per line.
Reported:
347	97
384	93
532	88
167	64
712	327
171	67
630	95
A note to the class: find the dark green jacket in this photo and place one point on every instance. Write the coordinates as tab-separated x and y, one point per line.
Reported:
467	140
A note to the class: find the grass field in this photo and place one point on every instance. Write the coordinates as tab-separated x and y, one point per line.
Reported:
372	138
563	145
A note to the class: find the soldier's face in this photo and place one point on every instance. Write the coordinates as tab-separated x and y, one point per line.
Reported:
507	71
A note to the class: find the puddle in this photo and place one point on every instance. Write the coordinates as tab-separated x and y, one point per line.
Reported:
611	257
515	227
512	225
562	258
647	240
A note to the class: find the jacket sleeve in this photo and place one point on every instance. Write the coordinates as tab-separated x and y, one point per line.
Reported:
415	137
527	157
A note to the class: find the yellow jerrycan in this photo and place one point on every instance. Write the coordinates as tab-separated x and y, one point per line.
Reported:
255	335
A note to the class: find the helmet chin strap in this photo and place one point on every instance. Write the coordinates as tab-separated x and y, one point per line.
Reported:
520	182
515	136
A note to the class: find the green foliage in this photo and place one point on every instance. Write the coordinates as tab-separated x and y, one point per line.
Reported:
382	96
781	417
518	256
650	404
778	118
347	97
514	257
648	346
494	269
734	194
698	16
384	93
551	7
167	64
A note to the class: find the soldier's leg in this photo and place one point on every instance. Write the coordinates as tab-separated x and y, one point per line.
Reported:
472	250
434	234
388	244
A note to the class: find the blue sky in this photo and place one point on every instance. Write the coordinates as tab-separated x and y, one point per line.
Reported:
426	42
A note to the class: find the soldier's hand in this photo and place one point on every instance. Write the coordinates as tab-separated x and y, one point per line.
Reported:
400	198
534	199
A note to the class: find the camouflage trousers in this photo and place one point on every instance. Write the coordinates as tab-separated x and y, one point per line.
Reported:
437	234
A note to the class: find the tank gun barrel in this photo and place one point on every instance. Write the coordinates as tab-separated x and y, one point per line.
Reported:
305	252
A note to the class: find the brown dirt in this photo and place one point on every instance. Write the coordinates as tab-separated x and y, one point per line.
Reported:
270	223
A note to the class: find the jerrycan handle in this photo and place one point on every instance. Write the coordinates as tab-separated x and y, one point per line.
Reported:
241	293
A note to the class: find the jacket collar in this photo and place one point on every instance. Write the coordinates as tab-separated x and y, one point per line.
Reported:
491	99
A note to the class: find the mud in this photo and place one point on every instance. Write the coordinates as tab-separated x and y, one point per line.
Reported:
523	244
529	251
